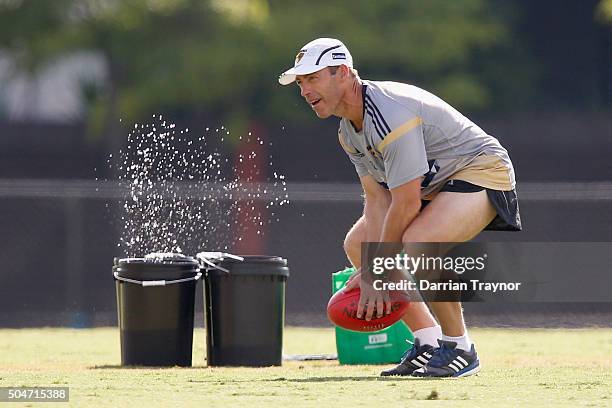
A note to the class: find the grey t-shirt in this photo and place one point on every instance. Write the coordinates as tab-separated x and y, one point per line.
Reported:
408	133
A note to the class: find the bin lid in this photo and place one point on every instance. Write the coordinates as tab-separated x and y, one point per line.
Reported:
157	266
244	264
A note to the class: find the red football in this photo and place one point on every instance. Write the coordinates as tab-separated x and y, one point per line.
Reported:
342	311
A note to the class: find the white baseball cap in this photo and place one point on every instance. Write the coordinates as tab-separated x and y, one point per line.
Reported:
316	55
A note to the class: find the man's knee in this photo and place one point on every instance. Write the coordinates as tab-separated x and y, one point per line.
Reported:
352	243
354	238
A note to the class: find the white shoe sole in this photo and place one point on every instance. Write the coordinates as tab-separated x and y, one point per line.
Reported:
471	372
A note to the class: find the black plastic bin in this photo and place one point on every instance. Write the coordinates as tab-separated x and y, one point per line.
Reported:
155	304
245	311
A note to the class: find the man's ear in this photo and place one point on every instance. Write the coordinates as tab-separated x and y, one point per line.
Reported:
344	72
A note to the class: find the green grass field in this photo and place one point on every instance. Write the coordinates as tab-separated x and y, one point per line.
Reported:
521	367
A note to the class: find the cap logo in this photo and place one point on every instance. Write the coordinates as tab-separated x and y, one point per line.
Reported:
338	55
299	56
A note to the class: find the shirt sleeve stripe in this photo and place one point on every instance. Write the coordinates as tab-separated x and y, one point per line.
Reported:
386	125
399	131
375	122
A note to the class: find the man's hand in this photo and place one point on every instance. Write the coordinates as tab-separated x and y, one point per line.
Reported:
370	298
353	281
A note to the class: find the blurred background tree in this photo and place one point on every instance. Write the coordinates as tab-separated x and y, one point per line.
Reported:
222	57
604	11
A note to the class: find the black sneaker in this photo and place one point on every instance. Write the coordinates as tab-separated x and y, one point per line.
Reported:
449	361
415	357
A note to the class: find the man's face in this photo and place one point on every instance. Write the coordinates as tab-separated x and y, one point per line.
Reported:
321	90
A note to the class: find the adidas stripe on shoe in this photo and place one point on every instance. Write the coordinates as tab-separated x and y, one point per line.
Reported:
415	357
449	361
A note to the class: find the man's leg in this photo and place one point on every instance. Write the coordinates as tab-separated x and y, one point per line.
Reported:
451	217
426	330
418	316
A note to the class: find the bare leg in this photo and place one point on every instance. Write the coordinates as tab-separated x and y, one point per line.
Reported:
418	315
451	217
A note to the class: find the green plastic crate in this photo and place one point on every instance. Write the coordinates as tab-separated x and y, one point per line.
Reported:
380	347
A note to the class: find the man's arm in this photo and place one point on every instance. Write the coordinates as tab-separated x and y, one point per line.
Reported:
405	206
377	202
405	161
387	214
